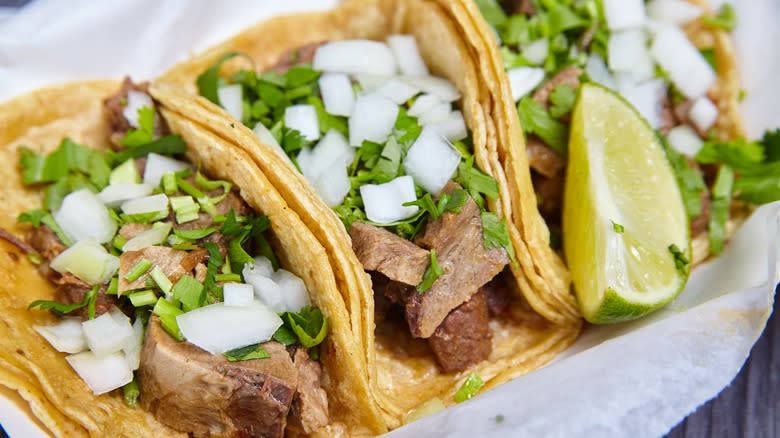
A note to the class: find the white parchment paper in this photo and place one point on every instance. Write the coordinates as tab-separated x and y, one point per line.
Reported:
636	379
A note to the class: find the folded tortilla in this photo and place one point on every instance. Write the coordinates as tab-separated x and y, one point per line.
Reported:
402	377
30	366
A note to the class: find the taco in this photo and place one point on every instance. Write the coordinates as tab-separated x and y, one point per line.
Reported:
186	297
372	122
672	60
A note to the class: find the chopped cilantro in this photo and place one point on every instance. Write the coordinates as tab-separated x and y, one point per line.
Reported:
709	55
492	12
562	99
771	142
739	154
208	81
144	134
168	145
285	336
247	353
293	141
536	120
470	387
688	178
681	262
62	309
308	325
34	217
620	229
213	292
721	200
495	234
300	75
476	182
432	273
726	18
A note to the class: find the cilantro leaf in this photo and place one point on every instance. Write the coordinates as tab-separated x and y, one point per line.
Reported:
34	217
300	75
771	142
719	217
328	121
63	309
432	273
681	262
689	179
293	141
475	181
308	325
726	19
536	120
168	145
144	133
247	353
284	336
495	233
213	292
492	12
427	204
739	154
562	99
406	129
620	229
208	81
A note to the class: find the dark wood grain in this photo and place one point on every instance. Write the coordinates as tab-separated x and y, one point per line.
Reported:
749	406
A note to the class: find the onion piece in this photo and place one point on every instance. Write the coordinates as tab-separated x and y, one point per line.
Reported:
332	184
369	83
238	294
423	104
337	94
441	87
431	161
218	328
522	80
647	98
133	349
66	336
115	194
597	71
355	57
303	118
703	114
453	128
108	333
151	237
373	119
88	261
407	55
683	62
677	12
294	295
536	51
264	287
147	204
262	266
437	114
267	138
397	91
628	52
157	165
83	216
135	101
101	374
685	140
384	202
332	148
230	98
624	14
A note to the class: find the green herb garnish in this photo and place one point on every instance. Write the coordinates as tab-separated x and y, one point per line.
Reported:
470	387
247	353
432	273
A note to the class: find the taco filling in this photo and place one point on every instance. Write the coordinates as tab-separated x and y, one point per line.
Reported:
667	58
383	143
157	287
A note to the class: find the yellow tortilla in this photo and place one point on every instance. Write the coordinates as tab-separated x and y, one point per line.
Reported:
57	396
402	372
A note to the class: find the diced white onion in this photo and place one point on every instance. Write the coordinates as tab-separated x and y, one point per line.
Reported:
536	51
397	91
325	167
115	194
624	14
133	349
407	55
82	216
369	83
703	114
218	328
337	94
147	204
238	294
262	266
303	118
597	70
355	57
685	140
108	333
264	287
66	336
230	98
437	114
101	374
151	237
157	165
373	119
423	104
683	62
431	161
522	80
135	101
332	184
88	261
677	12
384	202
626	48
453	128
267	138
647	98
294	295
441	87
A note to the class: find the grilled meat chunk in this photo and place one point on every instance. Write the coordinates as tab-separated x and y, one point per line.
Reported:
463	338
382	251
173	263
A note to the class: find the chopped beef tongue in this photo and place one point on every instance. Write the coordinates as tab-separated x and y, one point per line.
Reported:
498	294
382	251
71	290
190	389
45	242
173	263
467	265
543	159
463	339
310	406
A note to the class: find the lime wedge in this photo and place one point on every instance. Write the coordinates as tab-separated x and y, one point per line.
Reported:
625	226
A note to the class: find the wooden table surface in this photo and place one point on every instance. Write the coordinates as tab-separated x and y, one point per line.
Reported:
748	407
